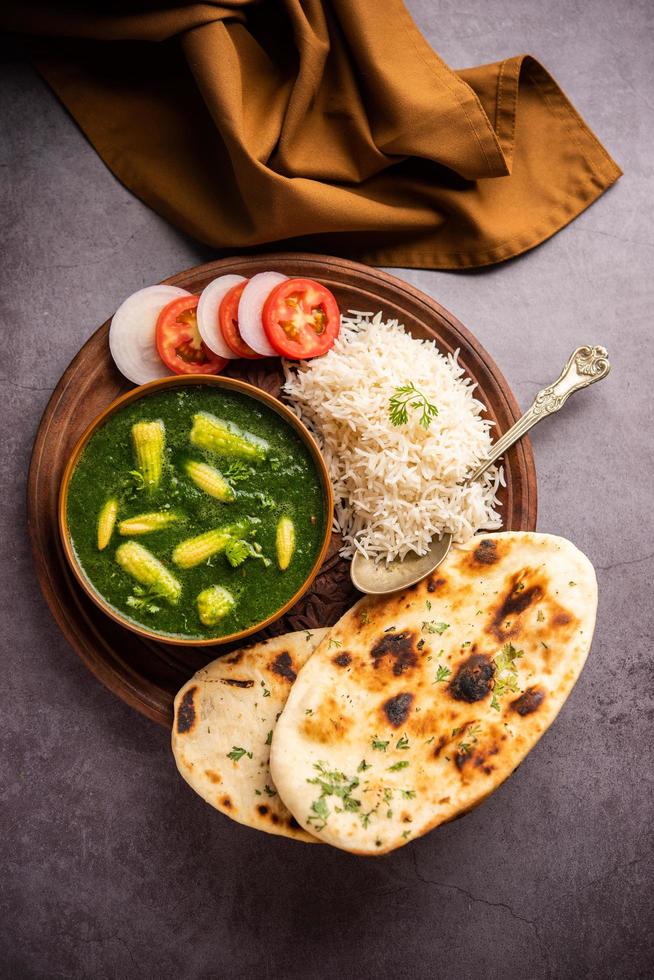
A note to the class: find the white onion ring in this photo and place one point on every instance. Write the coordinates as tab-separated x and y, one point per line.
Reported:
250	306
207	312
132	332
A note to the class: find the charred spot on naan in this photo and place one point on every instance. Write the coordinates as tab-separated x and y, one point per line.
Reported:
486	553
226	802
396	709
342	659
435	582
283	666
529	701
473	680
397	650
186	716
476	757
524	591
235	682
212	776
328	724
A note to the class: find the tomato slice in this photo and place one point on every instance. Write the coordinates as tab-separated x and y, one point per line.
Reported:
178	340
228	320
301	318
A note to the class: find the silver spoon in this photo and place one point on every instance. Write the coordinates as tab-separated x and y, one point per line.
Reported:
585	366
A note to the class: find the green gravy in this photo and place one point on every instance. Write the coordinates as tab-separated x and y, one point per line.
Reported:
285	483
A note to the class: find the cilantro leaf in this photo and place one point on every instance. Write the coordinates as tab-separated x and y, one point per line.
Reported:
408	396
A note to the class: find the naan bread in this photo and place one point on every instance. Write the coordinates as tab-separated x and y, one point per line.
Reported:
231	707
419	705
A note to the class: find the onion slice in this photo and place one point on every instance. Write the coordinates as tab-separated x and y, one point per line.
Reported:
210	299
254	296
132	333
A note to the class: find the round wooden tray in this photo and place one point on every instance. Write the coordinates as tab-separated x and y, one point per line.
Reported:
147	674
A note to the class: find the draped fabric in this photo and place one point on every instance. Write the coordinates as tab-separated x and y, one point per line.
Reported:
329	125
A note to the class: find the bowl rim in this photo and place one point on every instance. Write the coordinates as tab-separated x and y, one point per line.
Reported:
141	391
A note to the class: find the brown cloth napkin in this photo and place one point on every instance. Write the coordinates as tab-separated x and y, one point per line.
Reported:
324	124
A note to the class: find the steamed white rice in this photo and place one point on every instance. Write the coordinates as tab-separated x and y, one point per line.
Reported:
395	486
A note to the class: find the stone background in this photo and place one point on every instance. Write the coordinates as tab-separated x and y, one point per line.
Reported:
111	867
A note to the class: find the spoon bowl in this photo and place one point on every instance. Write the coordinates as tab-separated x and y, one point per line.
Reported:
378	578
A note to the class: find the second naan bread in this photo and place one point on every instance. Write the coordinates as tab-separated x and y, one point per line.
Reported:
222	730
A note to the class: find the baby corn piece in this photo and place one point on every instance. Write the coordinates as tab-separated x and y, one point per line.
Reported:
214	603
143	566
149	440
193	551
106	522
146	523
209	479
285	542
225	438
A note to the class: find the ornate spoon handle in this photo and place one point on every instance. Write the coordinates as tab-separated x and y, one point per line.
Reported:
585	366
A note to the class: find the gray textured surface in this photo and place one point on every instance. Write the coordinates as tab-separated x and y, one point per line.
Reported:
111	866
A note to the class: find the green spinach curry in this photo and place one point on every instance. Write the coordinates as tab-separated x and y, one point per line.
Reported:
196	512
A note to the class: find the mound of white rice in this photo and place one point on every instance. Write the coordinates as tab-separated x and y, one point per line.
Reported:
395	486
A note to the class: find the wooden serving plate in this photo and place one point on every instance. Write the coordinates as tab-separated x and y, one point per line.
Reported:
145	673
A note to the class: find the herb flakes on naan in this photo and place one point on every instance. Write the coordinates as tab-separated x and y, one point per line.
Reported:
418	705
223	725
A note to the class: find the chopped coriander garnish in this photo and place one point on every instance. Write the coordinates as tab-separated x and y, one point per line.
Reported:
335	643
540	616
544	644
507	674
430	626
269	738
408	794
379	745
398	765
442	674
237	753
319	813
408	396
406	834
266	692
364	616
237	471
269	791
308	711
420	644
571	582
402	743
428	604
332	783
363	765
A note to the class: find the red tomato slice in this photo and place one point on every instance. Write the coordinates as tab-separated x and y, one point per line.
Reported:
179	343
301	318
228	320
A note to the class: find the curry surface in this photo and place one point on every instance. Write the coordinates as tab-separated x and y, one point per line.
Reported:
286	482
